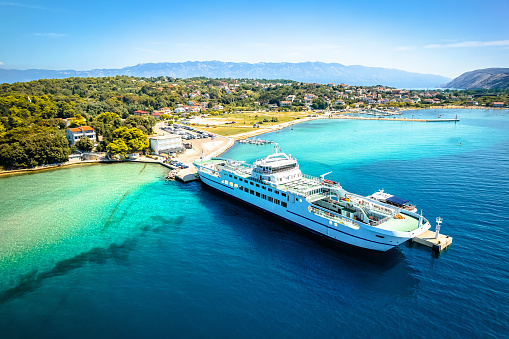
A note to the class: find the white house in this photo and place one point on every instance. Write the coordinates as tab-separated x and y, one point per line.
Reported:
167	143
75	134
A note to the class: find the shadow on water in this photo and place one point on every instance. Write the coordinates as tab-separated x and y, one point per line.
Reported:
159	224
110	218
142	169
97	255
33	280
389	270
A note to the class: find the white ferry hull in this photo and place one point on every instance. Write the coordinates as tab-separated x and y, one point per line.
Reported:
297	212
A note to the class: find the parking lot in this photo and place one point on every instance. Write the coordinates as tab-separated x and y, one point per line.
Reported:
185	132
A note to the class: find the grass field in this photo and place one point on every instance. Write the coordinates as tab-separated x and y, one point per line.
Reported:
228	130
244	121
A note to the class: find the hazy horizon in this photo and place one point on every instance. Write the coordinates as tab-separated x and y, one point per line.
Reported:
441	38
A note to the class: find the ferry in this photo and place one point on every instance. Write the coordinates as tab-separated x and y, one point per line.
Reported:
275	184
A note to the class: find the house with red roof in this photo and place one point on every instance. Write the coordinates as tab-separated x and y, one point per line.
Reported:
139	112
75	134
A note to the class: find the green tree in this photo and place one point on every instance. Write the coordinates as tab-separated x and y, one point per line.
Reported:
79	121
118	147
85	145
33	150
62	124
319	103
109	118
132	137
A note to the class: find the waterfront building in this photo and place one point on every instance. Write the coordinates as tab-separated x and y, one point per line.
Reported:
498	104
166	143
75	134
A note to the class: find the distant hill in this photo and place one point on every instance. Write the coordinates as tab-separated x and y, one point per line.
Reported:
318	72
488	78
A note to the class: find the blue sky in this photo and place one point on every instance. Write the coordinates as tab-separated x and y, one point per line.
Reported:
439	37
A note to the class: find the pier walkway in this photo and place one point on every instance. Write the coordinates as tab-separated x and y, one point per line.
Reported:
394	119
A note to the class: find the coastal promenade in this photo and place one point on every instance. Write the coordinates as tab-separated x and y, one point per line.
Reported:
273	128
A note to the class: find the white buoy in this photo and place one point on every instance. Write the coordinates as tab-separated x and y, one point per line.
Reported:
437	229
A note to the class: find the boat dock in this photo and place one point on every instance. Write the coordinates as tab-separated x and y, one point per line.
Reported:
255	141
187	175
429	239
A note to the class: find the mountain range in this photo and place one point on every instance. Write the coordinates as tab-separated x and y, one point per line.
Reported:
488	78
318	72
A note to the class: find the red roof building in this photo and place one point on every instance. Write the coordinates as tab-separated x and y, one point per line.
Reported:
138	112
75	134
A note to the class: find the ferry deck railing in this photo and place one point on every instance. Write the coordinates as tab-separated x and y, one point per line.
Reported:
334	217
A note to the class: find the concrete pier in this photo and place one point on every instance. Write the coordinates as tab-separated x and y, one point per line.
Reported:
394	119
428	239
188	174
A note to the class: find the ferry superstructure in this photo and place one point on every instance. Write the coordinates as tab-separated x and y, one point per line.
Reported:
276	185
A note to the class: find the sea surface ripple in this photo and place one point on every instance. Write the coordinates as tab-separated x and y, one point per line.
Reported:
114	251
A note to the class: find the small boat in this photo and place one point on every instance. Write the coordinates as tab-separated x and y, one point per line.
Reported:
392	200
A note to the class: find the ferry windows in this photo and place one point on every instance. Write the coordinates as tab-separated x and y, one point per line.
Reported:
283	204
270	189
276	201
264	196
258	194
336	224
270	199
250	182
231	184
283	194
240	188
300	200
263	187
235	185
257	185
245	189
251	192
277	192
235	178
245	180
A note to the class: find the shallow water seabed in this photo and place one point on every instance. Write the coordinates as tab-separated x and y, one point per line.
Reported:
113	250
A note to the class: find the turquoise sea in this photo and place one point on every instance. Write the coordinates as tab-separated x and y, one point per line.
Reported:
114	251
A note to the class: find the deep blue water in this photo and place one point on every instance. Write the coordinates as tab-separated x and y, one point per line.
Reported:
180	260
